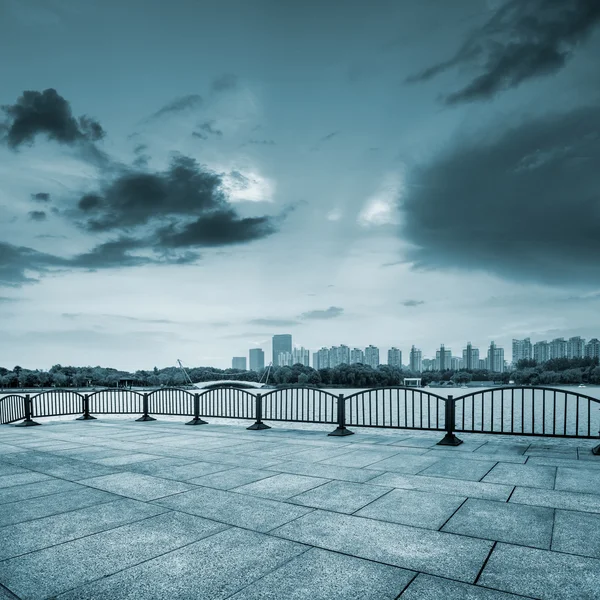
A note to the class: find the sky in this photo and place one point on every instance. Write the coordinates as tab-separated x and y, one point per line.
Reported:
185	179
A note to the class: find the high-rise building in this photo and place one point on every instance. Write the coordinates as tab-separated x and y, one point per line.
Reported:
372	356
416	360
442	359
428	364
315	361
495	359
592	348
281	343
521	350
558	348
456	363
470	357
322	359
395	357
541	352
285	359
357	356
339	355
483	366
257	359
301	356
576	347
238	362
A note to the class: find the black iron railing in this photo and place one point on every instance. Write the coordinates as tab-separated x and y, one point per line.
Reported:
531	411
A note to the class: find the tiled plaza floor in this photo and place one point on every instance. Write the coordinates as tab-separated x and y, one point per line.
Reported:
114	509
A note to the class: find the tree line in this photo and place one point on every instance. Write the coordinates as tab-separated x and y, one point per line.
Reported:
526	372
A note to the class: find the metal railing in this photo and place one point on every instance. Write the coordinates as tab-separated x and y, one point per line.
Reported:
527	411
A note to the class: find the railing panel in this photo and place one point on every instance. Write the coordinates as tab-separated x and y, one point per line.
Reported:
55	403
398	407
300	405
227	402
12	408
118	402
171	401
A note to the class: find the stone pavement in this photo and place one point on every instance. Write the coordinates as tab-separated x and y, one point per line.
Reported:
114	509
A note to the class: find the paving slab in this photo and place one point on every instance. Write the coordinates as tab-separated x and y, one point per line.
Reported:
535	476
189	471
581	479
22	538
577	533
410	507
323	575
137	485
35	490
556	499
504	522
281	486
441	485
231	478
493	456
433	552
212	569
325	471
405	463
35	508
541	573
361	458
127	459
427	587
50	571
341	496
565	462
153	466
242	510
8	469
457	468
24	477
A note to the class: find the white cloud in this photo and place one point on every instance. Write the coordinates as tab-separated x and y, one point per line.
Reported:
334	215
248	186
380	208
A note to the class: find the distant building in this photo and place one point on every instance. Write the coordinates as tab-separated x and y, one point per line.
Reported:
592	348
456	363
576	347
257	359
372	356
301	356
521	350
495	359
470	360
416	360
315	361
357	356
558	348
238	362
285	359
322	359
339	355
395	357
541	352
428	364
281	343
443	358
483	364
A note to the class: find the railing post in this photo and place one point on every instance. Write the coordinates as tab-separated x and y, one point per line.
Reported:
341	418
450	418
86	410
196	420
259	424
28	422
145	416
596	450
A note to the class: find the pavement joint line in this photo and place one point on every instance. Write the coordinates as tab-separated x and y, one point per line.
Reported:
485	562
407	585
510	495
9	595
461	505
552	530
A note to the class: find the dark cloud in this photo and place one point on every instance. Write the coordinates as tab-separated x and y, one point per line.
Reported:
224	83
521	41
181	104
37	215
17	263
115	253
198	134
331	313
274	322
41	197
523	204
141	156
329	136
208	127
104	316
47	113
411	303
259	143
7	299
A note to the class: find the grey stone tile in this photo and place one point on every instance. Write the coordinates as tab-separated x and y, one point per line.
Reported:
34	508
360	458
35	490
50	571
281	486
418	442
225	480
153	466
456	468
21	478
8	469
504	448
405	463
317	454
325	471
117	461
580	479
409	507
577	533
541	573
563	462
440	485
210	569
340	496
322	575
137	485
255	462
536	476
241	510
556	499
189	471
504	522
493	456
22	538
433	552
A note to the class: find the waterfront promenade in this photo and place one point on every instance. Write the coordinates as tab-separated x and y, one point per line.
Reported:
115	509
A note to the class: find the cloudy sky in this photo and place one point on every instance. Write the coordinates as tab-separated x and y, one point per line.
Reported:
184	179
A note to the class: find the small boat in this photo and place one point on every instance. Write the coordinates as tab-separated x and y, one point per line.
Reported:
582	385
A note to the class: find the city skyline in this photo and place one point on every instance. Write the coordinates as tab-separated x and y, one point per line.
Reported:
186	179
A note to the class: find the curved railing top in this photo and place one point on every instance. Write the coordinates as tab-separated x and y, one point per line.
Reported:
527	387
54	390
169	389
300	387
421	391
